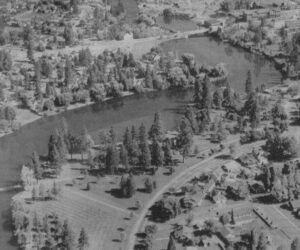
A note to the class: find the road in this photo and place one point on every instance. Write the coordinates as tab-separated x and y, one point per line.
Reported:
96	47
187	174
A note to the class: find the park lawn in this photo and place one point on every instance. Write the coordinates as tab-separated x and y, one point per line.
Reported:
102	223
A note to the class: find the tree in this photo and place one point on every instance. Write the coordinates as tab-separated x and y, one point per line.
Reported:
67	236
156	153
156	130
206	93
34	193
295	244
111	159
127	140
10	113
185	138
262	241
128	185
228	97
148	185
198	89
218	98
83	241
148	77
69	34
191	116
74	5
281	147
124	157
55	189
145	156
167	153
69	73
248	84
5	60
254	114
279	117
30	53
171	244
53	154
112	136
86	141
61	145
37	167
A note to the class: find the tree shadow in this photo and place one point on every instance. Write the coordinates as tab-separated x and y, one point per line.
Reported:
139	246
142	190
223	157
132	208
116	240
140	235
115	192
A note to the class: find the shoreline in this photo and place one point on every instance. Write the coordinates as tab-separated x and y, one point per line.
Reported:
138	48
258	51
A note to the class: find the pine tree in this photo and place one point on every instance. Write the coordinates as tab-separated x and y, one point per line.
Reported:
198	90
171	244
124	157
112	135
228	97
185	137
191	116
53	154
30	53
148	78
156	130
254	115
61	145
69	34
218	98
206	93
37	167
167	153
69	74
83	241
133	133
111	159
145	156
127	140
67	236
156	153
248	84
148	185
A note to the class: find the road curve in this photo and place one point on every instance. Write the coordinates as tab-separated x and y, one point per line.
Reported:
136	226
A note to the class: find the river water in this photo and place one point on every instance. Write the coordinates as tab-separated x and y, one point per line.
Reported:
16	148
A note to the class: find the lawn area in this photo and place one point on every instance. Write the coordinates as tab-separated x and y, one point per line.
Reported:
288	228
102	223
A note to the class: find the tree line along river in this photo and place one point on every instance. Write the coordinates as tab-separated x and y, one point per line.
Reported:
15	149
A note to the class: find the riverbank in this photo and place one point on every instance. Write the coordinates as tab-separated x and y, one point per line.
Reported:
280	63
120	113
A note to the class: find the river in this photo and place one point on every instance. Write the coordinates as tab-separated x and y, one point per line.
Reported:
16	148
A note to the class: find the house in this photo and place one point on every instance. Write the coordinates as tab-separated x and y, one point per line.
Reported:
219	198
294	205
232	168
